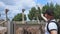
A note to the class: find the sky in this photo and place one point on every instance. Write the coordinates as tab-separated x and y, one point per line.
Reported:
16	6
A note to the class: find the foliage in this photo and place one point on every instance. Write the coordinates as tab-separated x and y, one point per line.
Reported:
18	17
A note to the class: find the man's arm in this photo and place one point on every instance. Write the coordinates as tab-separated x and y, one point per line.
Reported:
43	17
53	28
54	32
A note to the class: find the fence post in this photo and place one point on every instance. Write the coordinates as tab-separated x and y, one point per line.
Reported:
10	27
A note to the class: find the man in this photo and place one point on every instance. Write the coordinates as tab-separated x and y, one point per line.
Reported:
49	16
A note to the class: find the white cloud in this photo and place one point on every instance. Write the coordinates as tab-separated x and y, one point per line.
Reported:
2	6
8	2
40	5
15	6
25	3
57	1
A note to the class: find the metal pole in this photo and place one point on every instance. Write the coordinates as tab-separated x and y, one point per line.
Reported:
14	28
10	27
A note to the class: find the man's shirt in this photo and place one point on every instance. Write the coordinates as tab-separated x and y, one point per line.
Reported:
51	26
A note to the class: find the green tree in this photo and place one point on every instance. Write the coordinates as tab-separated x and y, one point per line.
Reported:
45	7
57	11
31	14
51	6
34	13
18	17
